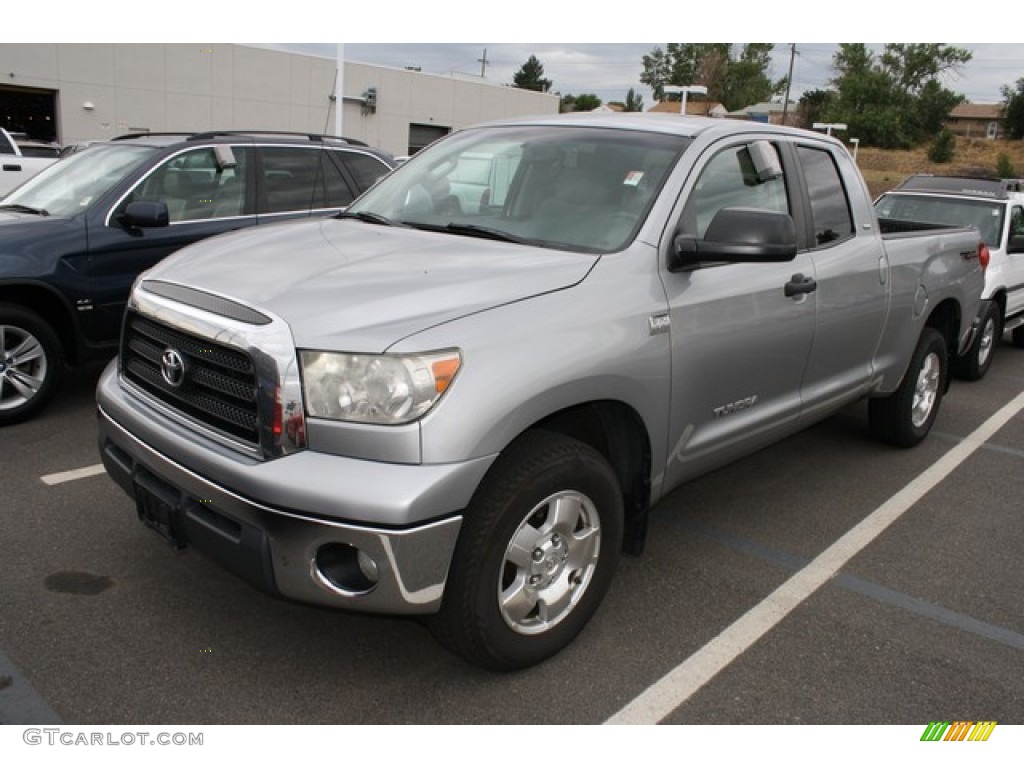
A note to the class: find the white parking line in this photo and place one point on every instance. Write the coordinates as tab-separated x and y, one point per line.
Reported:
73	474
673	690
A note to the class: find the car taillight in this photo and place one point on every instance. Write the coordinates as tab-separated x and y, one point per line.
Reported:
983	255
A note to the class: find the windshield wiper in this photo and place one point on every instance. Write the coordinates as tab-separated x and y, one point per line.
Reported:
477	231
24	209
370	218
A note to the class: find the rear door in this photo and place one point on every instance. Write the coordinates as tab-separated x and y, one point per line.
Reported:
850	272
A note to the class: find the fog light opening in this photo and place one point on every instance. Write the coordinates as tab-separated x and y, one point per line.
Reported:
347	568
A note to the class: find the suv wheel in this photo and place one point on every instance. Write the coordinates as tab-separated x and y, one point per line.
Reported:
31	363
976	361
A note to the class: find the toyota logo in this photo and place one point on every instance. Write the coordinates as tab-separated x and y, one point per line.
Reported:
172	367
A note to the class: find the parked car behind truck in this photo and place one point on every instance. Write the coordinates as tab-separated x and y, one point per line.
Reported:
17	165
415	408
74	238
996	209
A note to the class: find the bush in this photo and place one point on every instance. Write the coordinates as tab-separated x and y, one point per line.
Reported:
1004	166
942	150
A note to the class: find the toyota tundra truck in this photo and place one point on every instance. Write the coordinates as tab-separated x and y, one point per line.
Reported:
466	412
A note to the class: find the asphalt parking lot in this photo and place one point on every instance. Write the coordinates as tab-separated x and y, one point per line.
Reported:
825	580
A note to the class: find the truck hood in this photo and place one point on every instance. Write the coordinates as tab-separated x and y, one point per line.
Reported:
349	285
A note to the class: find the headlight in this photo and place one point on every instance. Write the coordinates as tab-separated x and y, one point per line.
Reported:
375	389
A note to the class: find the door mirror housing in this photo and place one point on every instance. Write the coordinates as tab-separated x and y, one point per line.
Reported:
738	235
143	213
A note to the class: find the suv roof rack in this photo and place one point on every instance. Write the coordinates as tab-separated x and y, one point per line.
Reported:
203	135
977	186
311	136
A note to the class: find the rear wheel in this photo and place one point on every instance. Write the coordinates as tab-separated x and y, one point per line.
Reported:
31	363
1018	337
976	361
538	548
906	416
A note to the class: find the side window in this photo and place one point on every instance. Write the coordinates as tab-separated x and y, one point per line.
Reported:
363	168
731	180
339	192
1017	221
198	185
830	208
293	179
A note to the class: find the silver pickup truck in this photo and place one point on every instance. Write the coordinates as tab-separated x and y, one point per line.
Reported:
459	399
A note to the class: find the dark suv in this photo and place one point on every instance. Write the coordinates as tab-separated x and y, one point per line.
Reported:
74	237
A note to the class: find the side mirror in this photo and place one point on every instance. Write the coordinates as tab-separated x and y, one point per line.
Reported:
738	235
143	213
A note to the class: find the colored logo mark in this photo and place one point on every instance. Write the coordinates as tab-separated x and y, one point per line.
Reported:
959	730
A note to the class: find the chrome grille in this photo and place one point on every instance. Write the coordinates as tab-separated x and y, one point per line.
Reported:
219	386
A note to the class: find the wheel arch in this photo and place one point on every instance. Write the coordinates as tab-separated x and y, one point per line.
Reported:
946	318
51	307
617	432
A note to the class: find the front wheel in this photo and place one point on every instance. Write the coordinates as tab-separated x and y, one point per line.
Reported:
31	363
976	361
906	416
538	548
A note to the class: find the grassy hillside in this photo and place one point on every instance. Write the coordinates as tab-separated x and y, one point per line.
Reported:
883	169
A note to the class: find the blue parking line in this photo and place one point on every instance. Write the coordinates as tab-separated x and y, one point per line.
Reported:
876	592
20	703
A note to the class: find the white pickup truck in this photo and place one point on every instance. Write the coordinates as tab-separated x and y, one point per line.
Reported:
15	167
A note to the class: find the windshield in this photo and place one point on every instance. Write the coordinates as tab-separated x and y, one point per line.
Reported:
986	217
585	189
70	185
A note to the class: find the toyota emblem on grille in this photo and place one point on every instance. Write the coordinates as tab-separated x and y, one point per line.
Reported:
172	367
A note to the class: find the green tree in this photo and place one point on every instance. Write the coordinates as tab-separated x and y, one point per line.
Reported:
943	148
894	99
531	76
634	102
585	102
734	80
1014	101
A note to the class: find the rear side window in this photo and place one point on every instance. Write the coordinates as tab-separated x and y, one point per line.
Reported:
293	179
830	207
363	168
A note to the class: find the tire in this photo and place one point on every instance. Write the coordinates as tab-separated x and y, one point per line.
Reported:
1018	337
539	545
905	417
976	361
31	363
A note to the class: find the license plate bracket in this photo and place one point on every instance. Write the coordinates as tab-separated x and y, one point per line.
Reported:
159	508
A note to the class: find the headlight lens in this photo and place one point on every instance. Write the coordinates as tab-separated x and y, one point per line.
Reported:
375	389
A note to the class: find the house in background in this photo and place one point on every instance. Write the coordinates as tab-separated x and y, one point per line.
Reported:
769	112
978	121
694	108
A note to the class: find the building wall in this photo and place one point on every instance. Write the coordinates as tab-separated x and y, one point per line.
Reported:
106	89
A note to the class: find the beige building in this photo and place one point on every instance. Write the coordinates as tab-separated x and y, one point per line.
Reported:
76	92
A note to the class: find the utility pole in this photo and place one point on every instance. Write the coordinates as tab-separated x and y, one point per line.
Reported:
483	64
789	81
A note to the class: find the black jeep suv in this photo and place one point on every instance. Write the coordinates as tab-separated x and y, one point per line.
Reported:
74	237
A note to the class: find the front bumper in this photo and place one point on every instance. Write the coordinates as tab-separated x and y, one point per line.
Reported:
293	526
